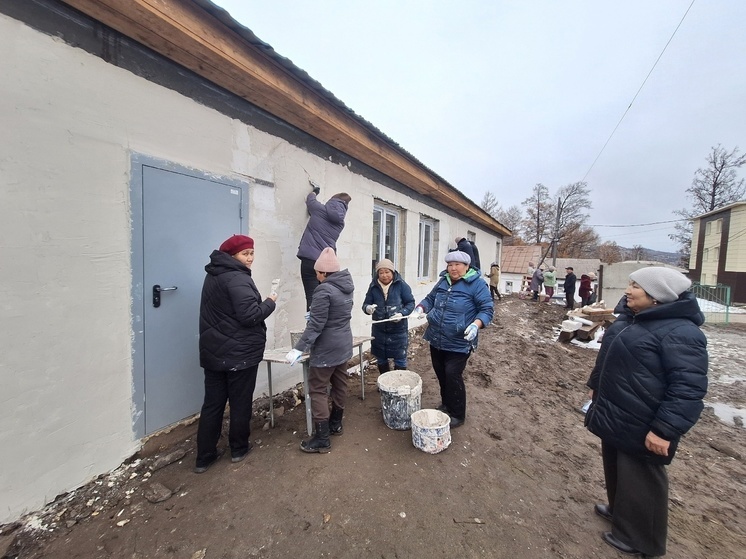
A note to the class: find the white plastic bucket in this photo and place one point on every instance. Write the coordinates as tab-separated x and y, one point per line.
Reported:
401	392
431	430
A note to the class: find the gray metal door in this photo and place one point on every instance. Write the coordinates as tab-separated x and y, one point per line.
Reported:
184	217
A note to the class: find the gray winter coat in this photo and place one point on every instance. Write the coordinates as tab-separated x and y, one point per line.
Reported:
323	227
328	334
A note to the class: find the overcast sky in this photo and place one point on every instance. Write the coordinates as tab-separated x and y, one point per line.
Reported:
498	95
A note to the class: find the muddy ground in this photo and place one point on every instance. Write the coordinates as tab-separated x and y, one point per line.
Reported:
518	481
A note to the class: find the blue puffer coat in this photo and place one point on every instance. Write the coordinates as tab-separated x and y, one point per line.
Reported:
391	338
650	375
328	334
232	333
451	308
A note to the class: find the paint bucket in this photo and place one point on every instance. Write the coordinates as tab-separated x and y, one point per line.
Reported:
400	397
431	431
295	336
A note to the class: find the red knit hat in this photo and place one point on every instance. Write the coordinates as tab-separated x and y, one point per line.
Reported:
236	244
327	261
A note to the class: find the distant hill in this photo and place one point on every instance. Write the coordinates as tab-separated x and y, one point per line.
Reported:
672	258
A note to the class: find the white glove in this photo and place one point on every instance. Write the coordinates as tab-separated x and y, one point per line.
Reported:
293	356
370	308
273	288
471	332
419	312
396	317
307	316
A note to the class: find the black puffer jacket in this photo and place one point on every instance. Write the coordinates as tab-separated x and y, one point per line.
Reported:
328	334
232	333
650	375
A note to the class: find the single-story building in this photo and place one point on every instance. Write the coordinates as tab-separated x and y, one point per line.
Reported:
136	137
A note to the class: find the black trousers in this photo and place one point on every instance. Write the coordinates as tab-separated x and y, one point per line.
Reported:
638	498
236	387
570	300
495	292
449	368
308	277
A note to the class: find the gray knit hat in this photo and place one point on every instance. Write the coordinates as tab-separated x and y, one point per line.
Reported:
662	284
458	256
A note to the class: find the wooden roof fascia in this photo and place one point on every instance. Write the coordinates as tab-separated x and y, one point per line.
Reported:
185	33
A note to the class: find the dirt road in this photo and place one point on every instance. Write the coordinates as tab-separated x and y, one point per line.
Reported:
518	481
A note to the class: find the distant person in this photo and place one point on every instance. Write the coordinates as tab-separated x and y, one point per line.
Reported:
457	307
530	270
322	230
389	297
550	282
232	338
594	289
586	290
494	276
569	287
465	245
647	389
537	281
328	339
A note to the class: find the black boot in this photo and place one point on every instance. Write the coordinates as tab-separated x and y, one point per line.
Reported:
320	440
335	420
383	366
398	368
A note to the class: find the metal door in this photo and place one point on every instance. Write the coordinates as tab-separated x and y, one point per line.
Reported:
183	217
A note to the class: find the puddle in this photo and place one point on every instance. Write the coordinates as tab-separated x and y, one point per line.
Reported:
726	413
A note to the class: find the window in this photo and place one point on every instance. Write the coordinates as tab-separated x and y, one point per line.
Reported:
719	226
708	228
716	254
425	255
706	254
385	234
714	279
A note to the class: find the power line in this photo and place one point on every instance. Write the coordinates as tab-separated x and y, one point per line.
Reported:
638	91
641	224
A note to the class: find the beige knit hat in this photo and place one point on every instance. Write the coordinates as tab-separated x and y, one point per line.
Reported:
385	263
327	261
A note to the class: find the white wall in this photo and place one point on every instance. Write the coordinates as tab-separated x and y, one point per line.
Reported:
70	123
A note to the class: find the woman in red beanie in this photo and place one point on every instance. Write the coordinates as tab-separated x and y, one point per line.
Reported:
232	337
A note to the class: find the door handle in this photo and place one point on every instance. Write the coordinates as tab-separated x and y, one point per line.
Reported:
157	294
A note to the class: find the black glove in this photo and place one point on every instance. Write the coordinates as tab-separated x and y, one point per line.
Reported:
314	187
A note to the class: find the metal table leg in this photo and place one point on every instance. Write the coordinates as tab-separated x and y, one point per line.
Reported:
271	401
309	423
362	370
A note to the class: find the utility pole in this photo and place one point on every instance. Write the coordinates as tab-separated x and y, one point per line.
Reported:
555	234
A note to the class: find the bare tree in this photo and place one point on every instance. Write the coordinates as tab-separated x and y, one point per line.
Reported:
714	186
539	215
578	242
490	204
609	252
638	252
512	219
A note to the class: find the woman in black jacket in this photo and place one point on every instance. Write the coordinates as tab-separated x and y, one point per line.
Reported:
647	389
232	337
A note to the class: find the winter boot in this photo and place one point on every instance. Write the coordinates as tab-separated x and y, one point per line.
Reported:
383	366
335	420
320	440
398	368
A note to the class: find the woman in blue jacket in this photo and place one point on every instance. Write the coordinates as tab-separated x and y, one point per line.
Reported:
389	297
457	307
647	389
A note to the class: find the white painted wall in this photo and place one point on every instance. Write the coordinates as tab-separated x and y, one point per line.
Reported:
70	123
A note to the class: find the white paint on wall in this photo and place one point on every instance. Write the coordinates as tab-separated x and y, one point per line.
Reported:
70	123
